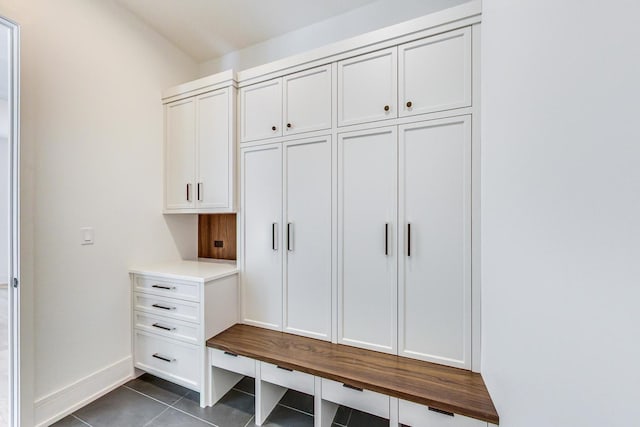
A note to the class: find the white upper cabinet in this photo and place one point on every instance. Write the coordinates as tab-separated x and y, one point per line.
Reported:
180	154
367	243
261	111
307	101
200	153
435	73
435	241
367	88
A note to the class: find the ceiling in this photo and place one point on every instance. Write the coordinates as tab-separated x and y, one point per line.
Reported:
208	29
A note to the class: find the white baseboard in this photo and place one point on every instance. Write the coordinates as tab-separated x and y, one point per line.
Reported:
60	403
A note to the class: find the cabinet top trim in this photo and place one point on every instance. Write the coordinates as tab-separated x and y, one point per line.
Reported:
445	20
196	87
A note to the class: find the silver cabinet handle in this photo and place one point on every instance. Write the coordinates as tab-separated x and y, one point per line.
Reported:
167	288
273	236
409	239
165	358
386	238
163	307
166	328
289	246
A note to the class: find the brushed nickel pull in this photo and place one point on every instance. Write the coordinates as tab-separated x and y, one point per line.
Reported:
163	307
167	288
165	358
166	328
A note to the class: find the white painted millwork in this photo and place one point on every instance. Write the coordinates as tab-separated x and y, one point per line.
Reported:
307	101
190	302
416	415
261	111
367	88
434	284
233	362
307	243
362	400
367	227
261	236
200	153
288	378
434	74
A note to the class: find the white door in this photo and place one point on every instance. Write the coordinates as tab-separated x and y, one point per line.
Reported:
367	249
261	236
261	111
307	101
215	155
435	73
367	88
307	237
435	243
180	122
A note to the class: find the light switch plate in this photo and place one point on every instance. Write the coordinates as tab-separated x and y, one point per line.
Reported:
86	235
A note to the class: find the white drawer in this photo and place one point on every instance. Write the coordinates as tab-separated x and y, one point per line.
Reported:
172	360
169	288
287	378
232	362
363	400
416	415
167	307
167	327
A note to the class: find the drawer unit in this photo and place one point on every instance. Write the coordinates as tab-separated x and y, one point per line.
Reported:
170	289
363	400
167	327
233	362
416	415
167	307
287	378
171	359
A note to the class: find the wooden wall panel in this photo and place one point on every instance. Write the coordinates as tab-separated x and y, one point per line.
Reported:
213	229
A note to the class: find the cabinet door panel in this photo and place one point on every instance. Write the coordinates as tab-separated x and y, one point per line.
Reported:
215	156
435	73
261	209
180	154
307	228
307	101
435	277
367	84
366	275
261	110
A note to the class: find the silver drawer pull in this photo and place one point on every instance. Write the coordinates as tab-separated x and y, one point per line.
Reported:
352	387
166	328
167	288
163	307
440	411
165	358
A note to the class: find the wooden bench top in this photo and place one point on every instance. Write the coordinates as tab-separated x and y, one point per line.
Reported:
441	387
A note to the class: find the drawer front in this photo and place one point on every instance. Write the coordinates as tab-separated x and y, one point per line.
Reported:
172	360
365	400
167	307
173	289
290	379
415	415
167	327
234	363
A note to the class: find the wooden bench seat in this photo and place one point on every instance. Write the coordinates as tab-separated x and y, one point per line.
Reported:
440	387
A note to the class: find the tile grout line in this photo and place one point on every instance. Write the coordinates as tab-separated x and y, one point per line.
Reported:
146	395
81	420
156	417
193	416
295	409
250	419
245	392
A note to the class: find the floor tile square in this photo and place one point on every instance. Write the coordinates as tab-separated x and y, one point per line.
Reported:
122	407
247	384
362	419
285	417
296	400
69	421
342	416
173	418
157	388
235	409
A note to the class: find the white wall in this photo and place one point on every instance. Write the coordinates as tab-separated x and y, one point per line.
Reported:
92	156
373	16
561	204
4	207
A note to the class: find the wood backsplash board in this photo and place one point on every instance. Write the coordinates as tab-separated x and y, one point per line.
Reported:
217	236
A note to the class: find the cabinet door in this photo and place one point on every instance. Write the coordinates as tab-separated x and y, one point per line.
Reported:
307	228
435	73
367	255
261	236
180	154
435	265
367	88
307	101
214	184
261	111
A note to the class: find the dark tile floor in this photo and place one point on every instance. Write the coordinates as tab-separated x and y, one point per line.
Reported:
148	401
